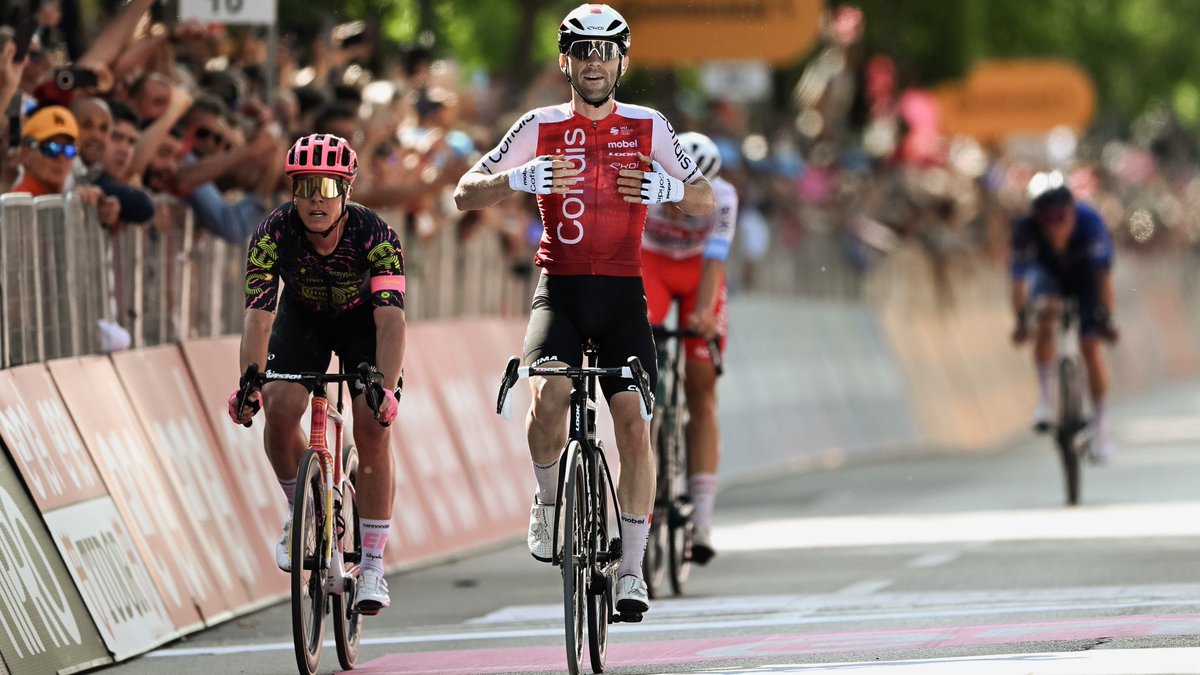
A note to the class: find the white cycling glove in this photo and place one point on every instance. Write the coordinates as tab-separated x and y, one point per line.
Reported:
659	187
533	177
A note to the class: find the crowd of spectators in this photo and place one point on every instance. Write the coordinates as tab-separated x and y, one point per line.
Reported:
183	110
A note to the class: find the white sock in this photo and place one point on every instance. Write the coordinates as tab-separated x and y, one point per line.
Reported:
703	488
1045	375
547	481
635	530
374	538
1098	419
289	491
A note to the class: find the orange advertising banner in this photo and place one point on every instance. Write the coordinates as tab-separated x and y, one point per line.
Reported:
669	33
189	579
1003	97
98	548
213	365
160	388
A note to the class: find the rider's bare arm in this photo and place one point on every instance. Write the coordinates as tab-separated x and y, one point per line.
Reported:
389	336
256	332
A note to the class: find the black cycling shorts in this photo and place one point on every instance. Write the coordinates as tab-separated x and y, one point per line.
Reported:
302	341
611	311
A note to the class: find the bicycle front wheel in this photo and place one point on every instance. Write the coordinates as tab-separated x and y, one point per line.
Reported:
308	560
1070	423
575	572
681	525
604	552
347	625
657	557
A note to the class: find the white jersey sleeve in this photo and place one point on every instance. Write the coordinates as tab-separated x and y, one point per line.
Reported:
517	147
720	238
670	154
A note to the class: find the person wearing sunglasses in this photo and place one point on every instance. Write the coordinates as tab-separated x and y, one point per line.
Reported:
1063	249
342	274
595	164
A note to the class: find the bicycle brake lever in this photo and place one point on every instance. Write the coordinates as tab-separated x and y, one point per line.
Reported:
718	359
645	404
503	403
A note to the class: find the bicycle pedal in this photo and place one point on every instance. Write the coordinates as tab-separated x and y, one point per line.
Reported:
627	617
681	512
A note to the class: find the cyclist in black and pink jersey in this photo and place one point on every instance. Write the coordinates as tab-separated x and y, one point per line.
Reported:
343	290
594	164
684	257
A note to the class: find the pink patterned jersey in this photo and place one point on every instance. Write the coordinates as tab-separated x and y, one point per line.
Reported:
366	266
591	229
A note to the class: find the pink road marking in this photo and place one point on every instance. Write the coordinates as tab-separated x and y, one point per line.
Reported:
669	652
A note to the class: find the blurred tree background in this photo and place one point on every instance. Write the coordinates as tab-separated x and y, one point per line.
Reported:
1138	52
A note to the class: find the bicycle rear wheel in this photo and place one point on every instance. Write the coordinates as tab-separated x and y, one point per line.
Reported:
657	557
308	559
1070	423
600	590
574	556
347	626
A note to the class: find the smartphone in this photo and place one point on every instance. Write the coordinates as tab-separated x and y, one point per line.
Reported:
75	77
26	25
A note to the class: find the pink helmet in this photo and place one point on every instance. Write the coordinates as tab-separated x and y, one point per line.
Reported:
324	154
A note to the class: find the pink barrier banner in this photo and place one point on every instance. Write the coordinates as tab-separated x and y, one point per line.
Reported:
438	509
468	379
99	550
213	366
188	575
161	390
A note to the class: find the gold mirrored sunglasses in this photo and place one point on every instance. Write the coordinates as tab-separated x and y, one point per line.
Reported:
305	187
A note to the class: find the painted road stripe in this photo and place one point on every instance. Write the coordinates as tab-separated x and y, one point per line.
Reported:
1135	521
781	647
934	559
1180	660
866	587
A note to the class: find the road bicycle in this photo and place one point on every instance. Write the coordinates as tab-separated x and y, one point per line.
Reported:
1071	433
587	506
668	550
325	542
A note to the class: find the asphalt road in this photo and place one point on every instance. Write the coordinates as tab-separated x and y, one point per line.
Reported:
942	563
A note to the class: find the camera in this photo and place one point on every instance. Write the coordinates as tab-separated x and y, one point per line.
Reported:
75	78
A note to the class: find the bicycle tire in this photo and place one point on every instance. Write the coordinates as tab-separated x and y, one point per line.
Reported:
600	600
657	557
308	573
574	555
347	627
1070	423
680	544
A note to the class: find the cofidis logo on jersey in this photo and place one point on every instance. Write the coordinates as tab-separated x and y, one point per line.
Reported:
570	224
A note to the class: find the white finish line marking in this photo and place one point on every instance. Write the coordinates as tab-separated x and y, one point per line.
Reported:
1171	519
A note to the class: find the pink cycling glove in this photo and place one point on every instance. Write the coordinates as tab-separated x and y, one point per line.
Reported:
388	408
253	403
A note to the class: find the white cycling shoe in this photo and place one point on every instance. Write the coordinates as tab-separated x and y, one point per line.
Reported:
540	539
372	593
1042	422
632	597
283	553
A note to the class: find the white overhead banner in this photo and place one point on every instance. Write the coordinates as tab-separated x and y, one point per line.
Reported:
257	12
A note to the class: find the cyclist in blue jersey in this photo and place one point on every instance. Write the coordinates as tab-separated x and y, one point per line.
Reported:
1062	249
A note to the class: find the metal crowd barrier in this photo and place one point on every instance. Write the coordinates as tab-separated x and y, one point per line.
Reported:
62	273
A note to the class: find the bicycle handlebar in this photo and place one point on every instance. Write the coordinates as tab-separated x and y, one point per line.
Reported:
369	377
631	370
714	343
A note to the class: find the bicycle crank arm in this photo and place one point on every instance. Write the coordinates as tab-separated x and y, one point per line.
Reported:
627	617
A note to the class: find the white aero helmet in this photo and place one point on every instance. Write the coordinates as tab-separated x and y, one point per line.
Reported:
593	22
701	149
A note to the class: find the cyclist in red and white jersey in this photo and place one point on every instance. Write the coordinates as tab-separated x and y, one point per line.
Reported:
324	274
684	257
594	164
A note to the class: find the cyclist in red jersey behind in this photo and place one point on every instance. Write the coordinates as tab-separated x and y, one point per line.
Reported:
594	164
343	290
684	257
